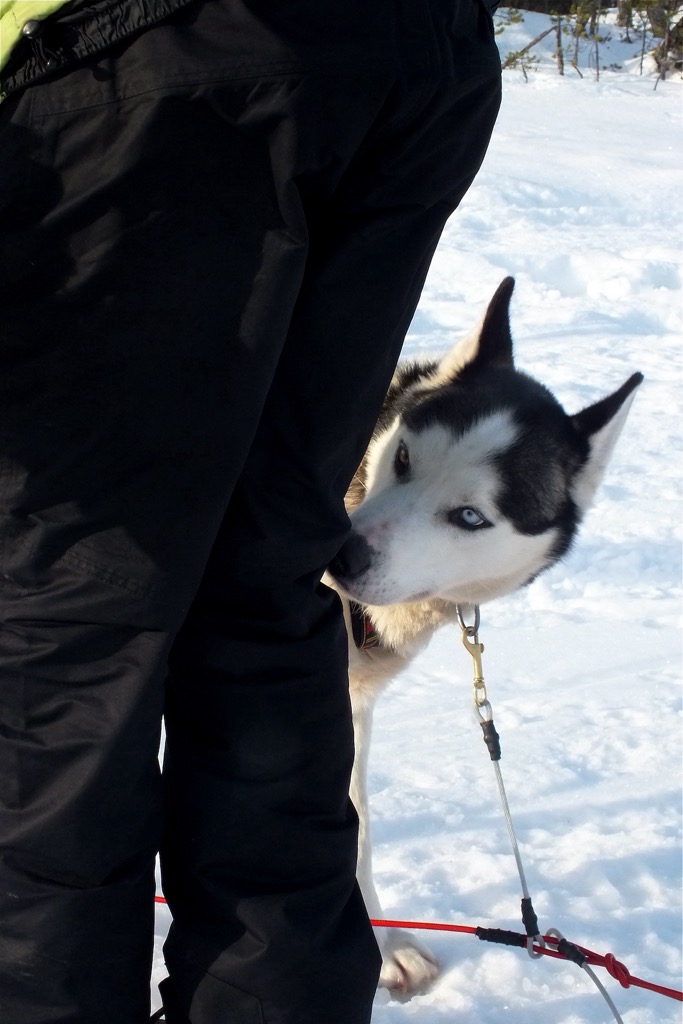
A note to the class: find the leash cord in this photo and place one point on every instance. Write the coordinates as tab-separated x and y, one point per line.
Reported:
511	829
603	991
482	705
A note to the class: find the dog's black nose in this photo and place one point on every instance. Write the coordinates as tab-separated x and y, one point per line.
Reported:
352	559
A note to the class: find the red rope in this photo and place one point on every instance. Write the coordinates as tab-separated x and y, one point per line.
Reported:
430	926
613	966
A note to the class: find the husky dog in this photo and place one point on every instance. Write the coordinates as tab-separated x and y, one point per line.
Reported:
475	481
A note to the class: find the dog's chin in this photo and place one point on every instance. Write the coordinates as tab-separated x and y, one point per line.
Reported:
380	596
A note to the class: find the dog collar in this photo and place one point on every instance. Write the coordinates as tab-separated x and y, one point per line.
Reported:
365	636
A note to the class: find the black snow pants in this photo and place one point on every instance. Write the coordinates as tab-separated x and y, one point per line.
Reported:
215	230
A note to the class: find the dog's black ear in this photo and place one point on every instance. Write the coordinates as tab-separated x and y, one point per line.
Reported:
489	344
495	338
600	424
592	419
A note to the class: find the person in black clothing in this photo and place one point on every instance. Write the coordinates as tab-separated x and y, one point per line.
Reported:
216	217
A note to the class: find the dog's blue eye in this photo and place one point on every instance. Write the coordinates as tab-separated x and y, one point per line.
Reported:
402	460
468	518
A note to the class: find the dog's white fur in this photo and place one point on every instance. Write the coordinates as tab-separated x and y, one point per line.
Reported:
422	567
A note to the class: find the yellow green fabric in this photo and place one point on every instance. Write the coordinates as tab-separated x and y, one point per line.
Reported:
13	16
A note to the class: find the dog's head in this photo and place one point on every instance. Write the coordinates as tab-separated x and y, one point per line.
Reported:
477	479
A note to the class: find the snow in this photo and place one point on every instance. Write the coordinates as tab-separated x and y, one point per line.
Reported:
580	199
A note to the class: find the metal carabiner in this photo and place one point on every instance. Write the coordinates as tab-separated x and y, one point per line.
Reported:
471	643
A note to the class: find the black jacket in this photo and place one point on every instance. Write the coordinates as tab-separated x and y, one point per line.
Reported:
85	27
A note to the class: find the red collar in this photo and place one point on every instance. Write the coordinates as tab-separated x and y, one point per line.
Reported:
365	635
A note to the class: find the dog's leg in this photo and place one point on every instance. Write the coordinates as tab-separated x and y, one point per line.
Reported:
406	965
363	707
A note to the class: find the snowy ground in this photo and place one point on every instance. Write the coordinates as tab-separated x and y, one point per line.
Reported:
580	199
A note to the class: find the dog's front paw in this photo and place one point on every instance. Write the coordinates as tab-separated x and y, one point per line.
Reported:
407	966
